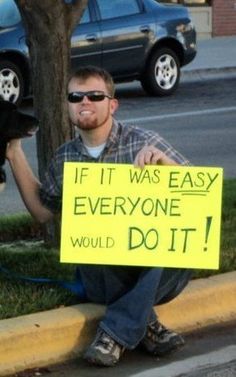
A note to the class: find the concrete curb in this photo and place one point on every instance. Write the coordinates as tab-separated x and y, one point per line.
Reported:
57	335
204	74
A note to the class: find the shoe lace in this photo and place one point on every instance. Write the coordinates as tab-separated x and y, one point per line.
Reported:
106	342
157	331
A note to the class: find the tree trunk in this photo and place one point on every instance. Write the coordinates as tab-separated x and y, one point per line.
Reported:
49	25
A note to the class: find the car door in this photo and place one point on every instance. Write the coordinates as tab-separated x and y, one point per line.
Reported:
126	30
86	42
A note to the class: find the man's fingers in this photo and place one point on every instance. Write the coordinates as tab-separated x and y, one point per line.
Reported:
156	157
148	156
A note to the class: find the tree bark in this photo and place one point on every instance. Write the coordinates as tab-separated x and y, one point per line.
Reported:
49	25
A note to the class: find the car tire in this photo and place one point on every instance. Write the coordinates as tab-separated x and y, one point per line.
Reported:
161	77
11	82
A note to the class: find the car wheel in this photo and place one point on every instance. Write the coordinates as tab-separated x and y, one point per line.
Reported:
161	77
11	82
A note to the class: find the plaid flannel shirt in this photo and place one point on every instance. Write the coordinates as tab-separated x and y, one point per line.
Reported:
122	146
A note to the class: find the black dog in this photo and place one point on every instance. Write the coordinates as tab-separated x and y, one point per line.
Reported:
13	125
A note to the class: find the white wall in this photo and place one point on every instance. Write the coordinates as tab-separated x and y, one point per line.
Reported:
202	18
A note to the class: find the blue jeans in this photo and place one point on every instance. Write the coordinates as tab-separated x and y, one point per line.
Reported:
130	294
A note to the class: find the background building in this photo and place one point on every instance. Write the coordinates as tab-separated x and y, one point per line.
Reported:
224	17
212	18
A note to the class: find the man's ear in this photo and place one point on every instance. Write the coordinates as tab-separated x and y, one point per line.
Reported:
114	104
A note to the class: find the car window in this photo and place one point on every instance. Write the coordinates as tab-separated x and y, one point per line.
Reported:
85	18
9	14
117	8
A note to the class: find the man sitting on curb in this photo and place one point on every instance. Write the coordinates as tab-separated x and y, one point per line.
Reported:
128	292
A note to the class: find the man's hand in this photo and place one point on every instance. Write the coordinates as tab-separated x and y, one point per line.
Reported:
150	155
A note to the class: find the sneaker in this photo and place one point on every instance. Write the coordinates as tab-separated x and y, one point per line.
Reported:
160	341
104	350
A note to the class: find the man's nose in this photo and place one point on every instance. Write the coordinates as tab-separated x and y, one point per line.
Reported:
85	99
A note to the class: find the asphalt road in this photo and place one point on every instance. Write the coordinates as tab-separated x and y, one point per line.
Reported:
199	120
208	353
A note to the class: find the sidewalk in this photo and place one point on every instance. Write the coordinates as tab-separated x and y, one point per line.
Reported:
57	335
216	58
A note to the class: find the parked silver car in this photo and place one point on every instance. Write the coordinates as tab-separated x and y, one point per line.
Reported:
133	39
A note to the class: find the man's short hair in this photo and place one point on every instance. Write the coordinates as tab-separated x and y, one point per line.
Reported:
84	73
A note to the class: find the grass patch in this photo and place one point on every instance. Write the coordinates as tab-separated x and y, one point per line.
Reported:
32	258
19	227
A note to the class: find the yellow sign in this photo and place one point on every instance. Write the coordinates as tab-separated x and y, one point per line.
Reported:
157	216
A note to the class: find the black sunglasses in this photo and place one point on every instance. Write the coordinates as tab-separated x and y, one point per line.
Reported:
92	95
